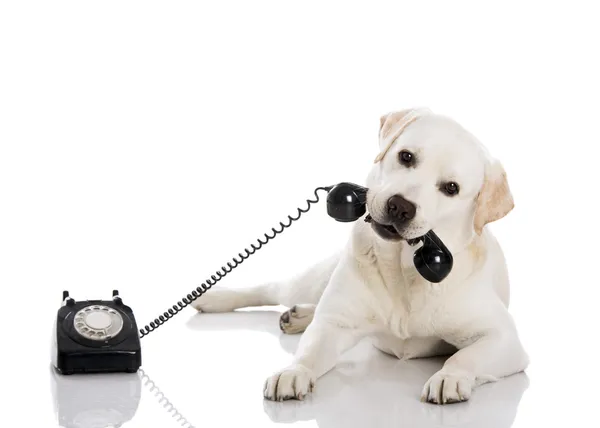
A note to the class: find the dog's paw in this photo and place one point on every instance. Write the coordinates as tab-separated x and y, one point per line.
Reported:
296	319
448	387
295	382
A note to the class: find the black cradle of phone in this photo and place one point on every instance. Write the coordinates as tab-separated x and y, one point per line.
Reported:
96	336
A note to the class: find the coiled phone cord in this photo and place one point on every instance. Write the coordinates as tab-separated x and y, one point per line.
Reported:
163	400
235	262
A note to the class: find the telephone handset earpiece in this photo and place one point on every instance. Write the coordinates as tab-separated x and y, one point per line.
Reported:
347	202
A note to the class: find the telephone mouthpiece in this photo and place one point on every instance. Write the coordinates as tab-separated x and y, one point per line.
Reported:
433	260
346	202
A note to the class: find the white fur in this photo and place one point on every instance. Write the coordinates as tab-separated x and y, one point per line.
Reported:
371	289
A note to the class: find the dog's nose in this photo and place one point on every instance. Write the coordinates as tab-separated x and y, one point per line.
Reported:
400	209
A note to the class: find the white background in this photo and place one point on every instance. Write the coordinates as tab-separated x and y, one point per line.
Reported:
142	144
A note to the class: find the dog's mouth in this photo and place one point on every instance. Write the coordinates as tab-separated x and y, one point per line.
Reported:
388	232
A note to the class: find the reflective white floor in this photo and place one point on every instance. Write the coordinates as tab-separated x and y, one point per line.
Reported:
216	374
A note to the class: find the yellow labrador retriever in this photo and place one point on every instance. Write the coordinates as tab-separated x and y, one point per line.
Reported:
430	174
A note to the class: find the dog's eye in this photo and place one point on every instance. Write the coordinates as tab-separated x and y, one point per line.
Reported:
450	188
406	158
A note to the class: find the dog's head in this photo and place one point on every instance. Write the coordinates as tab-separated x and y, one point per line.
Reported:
433	174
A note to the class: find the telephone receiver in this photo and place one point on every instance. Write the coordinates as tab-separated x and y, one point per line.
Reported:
347	202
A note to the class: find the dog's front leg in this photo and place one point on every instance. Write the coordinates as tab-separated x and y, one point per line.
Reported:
494	354
341	319
318	351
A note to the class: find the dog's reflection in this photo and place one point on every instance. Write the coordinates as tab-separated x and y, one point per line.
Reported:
369	388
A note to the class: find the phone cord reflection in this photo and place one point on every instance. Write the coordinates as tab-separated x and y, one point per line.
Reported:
235	262
164	401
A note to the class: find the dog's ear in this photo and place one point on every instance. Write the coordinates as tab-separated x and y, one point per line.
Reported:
389	120
391	126
382	120
495	199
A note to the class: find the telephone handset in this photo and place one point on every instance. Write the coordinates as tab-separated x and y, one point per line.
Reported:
346	202
102	336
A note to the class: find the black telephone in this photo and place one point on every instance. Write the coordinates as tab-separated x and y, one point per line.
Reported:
95	336
102	336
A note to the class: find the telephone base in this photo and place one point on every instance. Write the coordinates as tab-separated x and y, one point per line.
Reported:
111	362
96	336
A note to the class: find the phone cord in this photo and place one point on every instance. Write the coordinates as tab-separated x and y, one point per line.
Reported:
235	262
163	400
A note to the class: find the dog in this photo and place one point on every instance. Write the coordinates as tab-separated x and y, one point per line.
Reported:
430	174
